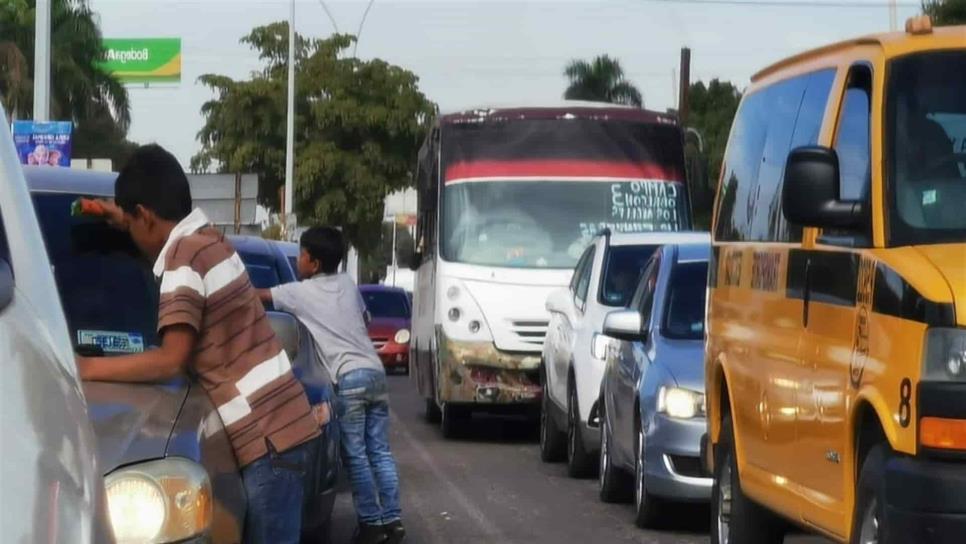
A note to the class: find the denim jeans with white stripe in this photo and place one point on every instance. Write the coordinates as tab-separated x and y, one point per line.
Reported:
363	408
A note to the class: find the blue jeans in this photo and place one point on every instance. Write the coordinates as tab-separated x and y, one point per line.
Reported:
363	409
276	485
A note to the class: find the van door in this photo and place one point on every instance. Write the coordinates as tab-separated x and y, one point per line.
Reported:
834	273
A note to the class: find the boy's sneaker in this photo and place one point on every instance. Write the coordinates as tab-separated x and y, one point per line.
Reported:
370	534
395	532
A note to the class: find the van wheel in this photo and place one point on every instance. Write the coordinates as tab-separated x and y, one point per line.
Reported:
579	463
736	519
433	414
553	442
613	482
869	525
453	420
647	507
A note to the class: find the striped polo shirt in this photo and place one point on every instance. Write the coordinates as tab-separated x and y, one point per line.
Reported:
237	358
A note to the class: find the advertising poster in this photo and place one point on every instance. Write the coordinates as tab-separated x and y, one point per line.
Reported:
143	60
43	143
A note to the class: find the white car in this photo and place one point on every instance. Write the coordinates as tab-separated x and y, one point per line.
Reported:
575	351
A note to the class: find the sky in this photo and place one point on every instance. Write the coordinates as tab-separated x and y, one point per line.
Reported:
471	53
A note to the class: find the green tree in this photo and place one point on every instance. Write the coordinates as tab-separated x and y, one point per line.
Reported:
945	12
359	125
81	90
600	80
712	109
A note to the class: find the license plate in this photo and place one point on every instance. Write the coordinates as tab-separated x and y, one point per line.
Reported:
112	342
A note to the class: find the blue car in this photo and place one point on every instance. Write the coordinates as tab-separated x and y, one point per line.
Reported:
652	413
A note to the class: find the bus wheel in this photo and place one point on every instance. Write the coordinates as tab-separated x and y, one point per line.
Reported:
433	414
736	519
869	525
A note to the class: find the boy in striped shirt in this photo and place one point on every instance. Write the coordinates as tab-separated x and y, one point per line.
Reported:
211	321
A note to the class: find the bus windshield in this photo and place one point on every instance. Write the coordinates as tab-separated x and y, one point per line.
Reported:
927	155
547	224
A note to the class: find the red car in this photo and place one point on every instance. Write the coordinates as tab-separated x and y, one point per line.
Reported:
390	310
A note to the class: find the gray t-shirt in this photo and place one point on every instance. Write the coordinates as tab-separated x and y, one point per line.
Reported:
332	309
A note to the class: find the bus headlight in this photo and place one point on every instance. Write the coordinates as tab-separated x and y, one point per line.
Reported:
945	356
680	403
402	336
159	501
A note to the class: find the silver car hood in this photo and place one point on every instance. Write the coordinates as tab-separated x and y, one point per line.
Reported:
684	362
132	422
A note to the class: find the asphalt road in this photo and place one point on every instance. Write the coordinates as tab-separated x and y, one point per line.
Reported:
490	487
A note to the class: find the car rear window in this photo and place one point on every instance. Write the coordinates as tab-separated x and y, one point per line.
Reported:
622	270
386	304
262	269
684	308
105	285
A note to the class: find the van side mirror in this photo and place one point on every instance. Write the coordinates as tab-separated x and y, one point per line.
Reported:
624	325
810	196
6	284
286	329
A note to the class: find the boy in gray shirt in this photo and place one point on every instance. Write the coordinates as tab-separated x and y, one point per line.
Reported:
332	309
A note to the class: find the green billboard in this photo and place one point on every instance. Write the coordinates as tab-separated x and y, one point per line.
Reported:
143	60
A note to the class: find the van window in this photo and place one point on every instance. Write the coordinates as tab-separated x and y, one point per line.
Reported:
770	123
852	139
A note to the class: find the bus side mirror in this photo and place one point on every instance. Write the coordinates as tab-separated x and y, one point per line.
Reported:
810	195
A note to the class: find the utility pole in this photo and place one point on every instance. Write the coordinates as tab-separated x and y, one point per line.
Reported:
42	61
290	133
684	86
893	16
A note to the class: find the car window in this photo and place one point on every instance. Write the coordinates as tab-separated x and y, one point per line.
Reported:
684	306
648	286
622	268
105	286
583	282
386	304
852	140
261	269
578	270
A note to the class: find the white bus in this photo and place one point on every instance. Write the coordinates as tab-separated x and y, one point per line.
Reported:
508	200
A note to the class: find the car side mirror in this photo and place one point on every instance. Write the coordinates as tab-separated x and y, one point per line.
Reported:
6	284
559	301
810	196
286	329
624	325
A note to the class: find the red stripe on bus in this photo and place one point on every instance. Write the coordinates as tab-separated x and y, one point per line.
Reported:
559	168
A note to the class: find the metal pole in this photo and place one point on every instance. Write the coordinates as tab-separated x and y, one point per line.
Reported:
684	86
290	136
394	264
893	16
42	61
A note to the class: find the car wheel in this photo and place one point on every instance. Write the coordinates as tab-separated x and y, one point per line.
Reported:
869	525
453	419
612	481
553	442
433	414
647	507
736	519
579	463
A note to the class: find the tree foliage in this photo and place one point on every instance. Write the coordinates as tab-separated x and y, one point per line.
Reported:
712	109
81	90
600	80
358	128
945	12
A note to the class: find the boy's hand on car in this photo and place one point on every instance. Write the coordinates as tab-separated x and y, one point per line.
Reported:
113	214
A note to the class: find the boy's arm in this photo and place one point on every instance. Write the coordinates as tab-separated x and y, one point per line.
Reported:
166	362
265	295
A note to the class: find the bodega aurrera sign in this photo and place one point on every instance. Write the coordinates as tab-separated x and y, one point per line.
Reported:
143	60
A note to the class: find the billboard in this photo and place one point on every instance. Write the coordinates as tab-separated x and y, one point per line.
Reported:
43	143
143	60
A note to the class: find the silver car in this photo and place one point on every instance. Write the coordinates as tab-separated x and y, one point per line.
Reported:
51	488
652	395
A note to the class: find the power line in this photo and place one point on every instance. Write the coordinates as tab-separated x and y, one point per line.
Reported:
791	3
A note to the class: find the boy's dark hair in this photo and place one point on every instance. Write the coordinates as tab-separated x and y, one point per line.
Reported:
153	178
326	245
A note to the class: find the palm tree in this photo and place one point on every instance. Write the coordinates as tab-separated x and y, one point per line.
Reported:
81	90
601	80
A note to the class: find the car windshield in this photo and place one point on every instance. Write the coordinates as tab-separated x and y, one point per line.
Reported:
684	306
109	295
621	273
927	155
547	224
386	304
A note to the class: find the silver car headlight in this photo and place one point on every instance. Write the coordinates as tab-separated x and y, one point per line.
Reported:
945	356
680	403
168	500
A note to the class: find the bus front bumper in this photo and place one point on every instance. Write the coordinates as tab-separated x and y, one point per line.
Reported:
479	373
926	500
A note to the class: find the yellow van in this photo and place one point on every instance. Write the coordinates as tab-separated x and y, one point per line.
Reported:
836	344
